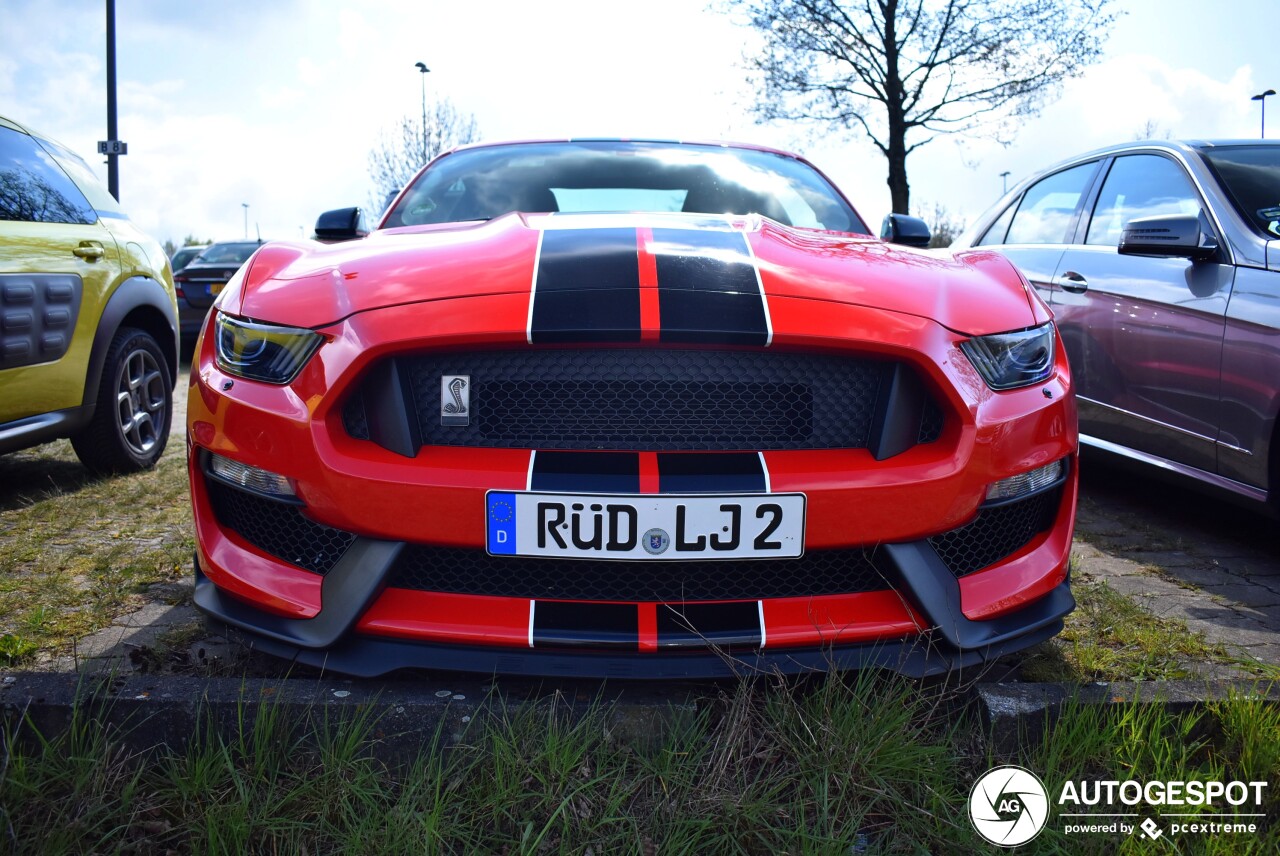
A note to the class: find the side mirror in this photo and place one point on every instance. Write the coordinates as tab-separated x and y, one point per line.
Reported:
391	197
341	224
1178	235
901	229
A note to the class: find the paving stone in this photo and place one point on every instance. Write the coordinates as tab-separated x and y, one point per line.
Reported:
1108	566
1083	550
1262	652
134	631
1244	593
157	614
1206	575
1168	559
1269	615
1146	586
1217	623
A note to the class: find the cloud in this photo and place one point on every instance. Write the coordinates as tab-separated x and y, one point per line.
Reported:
1112	102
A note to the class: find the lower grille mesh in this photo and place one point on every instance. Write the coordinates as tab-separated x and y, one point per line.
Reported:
996	533
278	528
463	571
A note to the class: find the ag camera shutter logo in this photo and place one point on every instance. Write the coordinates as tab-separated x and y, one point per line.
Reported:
1008	806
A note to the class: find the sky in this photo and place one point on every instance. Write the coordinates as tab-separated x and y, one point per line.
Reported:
277	104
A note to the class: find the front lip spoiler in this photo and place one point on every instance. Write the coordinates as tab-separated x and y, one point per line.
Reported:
326	641
349	589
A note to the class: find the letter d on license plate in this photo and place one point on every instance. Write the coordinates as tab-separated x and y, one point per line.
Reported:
675	527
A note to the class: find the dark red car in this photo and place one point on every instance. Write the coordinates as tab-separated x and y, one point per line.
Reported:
1161	261
630	409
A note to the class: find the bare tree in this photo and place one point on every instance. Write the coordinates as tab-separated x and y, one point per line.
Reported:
1152	131
905	71
944	226
408	145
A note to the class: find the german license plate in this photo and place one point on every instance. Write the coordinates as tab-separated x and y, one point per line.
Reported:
675	527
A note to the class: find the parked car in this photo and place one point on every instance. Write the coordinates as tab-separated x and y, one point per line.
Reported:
1161	261
630	409
184	256
88	319
204	277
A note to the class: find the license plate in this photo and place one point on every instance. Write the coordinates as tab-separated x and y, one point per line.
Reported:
676	527
215	288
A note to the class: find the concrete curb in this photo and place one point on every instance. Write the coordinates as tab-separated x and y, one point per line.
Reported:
1014	714
146	712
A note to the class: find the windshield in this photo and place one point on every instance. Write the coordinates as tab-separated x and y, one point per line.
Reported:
1251	176
608	176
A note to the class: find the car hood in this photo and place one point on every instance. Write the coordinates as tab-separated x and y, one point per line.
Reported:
307	284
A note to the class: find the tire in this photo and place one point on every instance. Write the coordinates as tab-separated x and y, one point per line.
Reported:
134	407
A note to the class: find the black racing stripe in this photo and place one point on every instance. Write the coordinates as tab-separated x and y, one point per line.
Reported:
708	291
697	625
562	624
587	287
586	472
715	472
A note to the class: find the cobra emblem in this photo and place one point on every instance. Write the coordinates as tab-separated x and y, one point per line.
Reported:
456	388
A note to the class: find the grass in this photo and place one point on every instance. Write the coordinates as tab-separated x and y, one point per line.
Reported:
1109	637
77	551
845	765
763	770
1234	739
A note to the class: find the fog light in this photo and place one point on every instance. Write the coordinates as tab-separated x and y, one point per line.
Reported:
1025	483
252	478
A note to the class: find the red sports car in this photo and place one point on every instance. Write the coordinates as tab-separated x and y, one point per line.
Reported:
630	409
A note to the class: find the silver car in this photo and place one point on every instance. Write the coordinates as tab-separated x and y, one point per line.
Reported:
1161	261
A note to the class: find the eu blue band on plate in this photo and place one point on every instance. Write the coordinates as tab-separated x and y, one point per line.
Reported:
501	515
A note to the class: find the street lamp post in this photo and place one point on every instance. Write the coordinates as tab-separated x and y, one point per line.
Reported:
422	67
1261	97
245	206
113	159
1004	182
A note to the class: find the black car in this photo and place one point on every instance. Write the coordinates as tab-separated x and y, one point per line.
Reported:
201	281
185	256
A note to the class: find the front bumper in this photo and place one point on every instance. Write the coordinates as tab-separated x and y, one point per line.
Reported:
326	642
937	588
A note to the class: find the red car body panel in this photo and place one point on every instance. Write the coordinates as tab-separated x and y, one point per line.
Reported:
384	271
467	288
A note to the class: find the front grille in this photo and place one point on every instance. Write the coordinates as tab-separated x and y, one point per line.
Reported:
278	528
463	571
645	400
996	533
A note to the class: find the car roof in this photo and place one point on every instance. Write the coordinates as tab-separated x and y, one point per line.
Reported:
1183	147
644	141
30	132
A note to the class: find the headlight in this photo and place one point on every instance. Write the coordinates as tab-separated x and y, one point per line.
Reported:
1010	360
263	352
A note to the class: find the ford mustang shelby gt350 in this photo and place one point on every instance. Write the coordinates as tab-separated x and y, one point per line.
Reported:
630	409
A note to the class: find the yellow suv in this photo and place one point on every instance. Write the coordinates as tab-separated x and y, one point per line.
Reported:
88	317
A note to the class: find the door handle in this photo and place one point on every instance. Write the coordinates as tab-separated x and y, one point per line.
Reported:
89	251
1073	282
